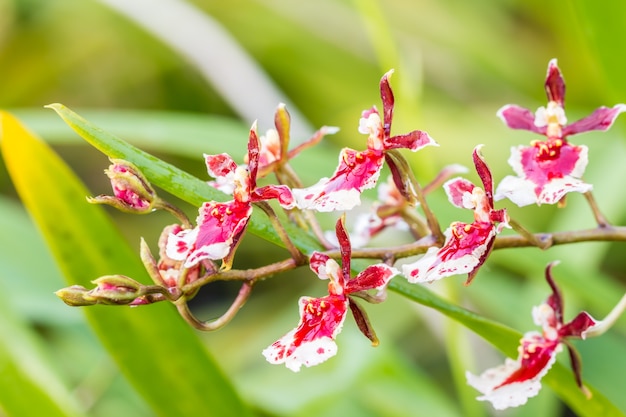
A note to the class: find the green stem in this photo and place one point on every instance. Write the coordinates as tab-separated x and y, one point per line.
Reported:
242	297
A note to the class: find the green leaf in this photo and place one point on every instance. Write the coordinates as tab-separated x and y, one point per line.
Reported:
155	349
172	179
28	386
604	29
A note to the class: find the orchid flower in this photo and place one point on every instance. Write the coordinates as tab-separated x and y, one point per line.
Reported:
549	169
221	225
359	170
467	245
321	319
511	384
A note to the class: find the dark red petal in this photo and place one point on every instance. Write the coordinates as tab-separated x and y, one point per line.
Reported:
345	248
575	328
574	358
319	317
280	192
400	177
253	157
386	94
484	173
535	354
220	165
414	141
318	260
372	277
601	119
555	84
555	300
517	117
362	321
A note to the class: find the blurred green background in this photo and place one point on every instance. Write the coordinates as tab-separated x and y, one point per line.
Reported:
160	75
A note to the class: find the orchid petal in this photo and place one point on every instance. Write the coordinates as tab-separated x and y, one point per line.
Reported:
601	119
414	141
516	117
386	95
511	384
282	193
312	342
457	190
465	250
373	277
356	172
555	84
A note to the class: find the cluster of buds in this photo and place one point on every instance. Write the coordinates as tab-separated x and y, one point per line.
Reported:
193	254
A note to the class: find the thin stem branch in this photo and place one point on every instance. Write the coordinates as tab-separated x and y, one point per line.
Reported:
280	230
240	300
597	214
541	241
174	211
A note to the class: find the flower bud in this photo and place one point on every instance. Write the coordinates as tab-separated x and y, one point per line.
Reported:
132	191
76	296
116	290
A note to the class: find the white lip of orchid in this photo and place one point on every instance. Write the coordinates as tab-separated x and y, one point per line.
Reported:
241	181
552	116
371	125
270	145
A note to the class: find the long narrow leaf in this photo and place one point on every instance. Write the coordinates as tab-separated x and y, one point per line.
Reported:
158	353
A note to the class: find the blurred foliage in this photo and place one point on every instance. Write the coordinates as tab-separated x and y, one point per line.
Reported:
456	63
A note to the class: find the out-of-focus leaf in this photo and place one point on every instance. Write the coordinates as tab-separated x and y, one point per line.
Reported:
28	385
603	25
155	349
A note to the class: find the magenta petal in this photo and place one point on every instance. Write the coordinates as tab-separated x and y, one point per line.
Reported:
312	342
536	356
484	173
466	249
578	326
601	119
517	117
220	165
414	141
373	277
457	190
219	226
317	263
386	94
555	84
280	192
356	172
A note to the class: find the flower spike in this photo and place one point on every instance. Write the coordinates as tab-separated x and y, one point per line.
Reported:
321	319
549	169
359	170
511	384
467	245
